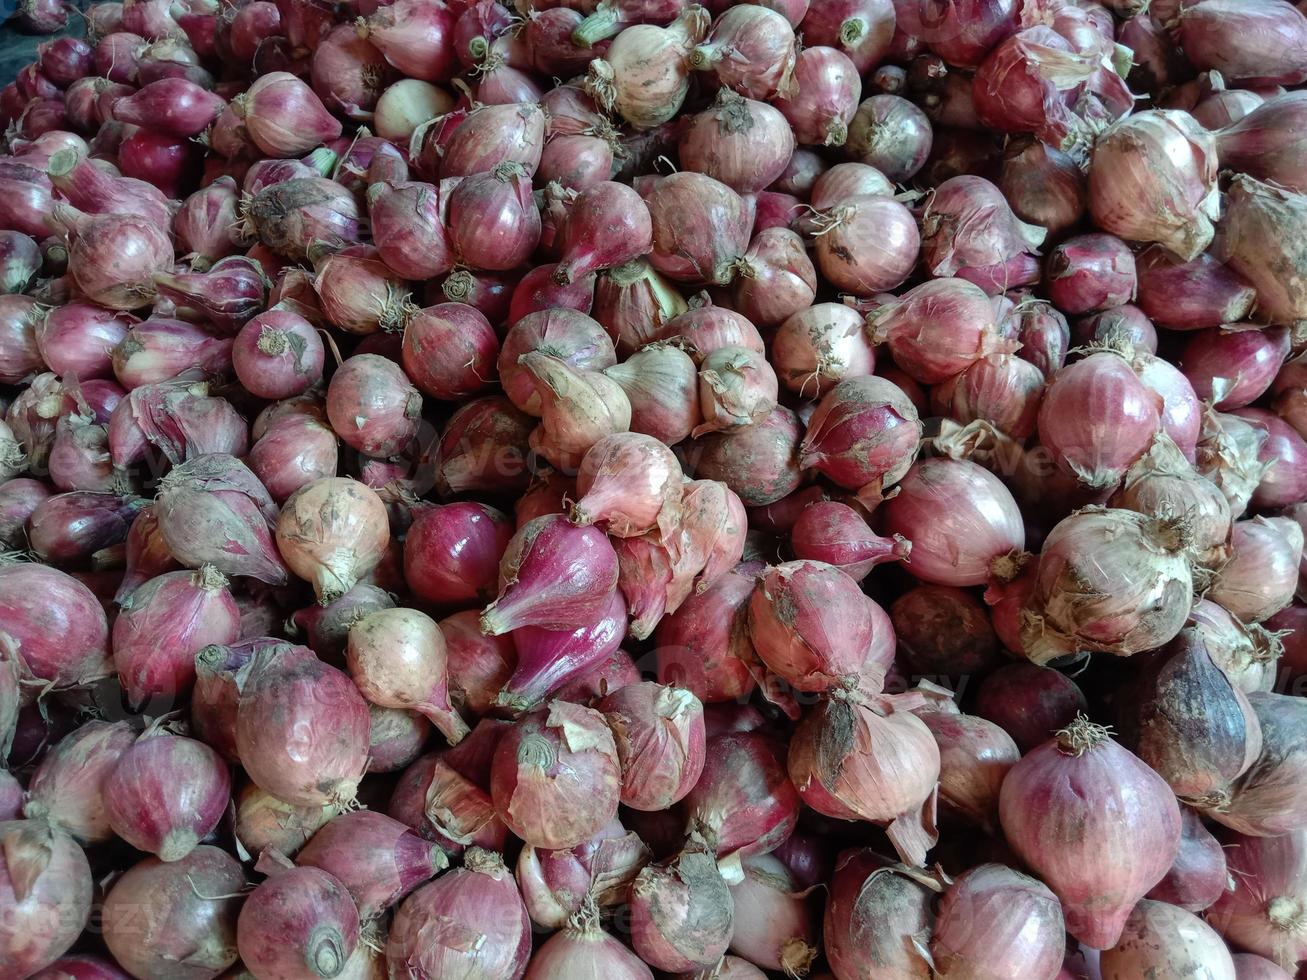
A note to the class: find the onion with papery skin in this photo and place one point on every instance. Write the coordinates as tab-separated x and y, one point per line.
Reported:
452	553
375	857
66	786
1266	799
866	244
891	134
45	894
938	328
1191	295
302	728
775	279
166	793
878	918
478	665
999	922
284	117
968	230
744	803
1265	44
1198	759
873	761
811	626
556	885
583	949
929	511
682	912
578	408
1043	185
1098	866
1198	877
661	383
1266	142
644	75
775	922
1263	911
298	922
158	915
397	660
529	795
331	533
975	756
548	562
834	533
737	388
1153	179
863	436
751	49
629	484
53	625
707	248
704	646
659	736
1261	574
743	143
1108	580
1164	941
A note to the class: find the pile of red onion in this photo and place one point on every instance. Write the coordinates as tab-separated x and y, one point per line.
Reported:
613	488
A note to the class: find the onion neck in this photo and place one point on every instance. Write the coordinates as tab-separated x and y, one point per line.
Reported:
1081	736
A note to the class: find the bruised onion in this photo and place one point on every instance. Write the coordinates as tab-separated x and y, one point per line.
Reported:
879	915
682	912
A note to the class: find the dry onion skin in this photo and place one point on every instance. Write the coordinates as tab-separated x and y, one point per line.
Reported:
448	452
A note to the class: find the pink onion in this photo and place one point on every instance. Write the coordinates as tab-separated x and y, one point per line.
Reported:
407	229
987	901
1260	912
55	624
530	798
1043	185
331	533
1199	876
478	665
1260	576
1153	180
969	230
284	117
1233	366
67	785
114	258
46	894
158	913
854	258
891	134
938	328
452	553
492	221
1085	780
495	134
278	354
301	728
1091	272
166	793
1264	45
300	921
697	251
744	803
372	405
661	384
682	912
930	501
566	334
608	225
723	142
659	736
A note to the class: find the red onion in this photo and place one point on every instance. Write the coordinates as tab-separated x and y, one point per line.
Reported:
212	510
737	388
633	303
929	511
68	528
879	916
452	553
1153	180
1198	876
66	786
358	293
395	739
1253	244
78	338
170	106
331	533
449	350
938	328
160	349
682	912
484	447
1260	800
1283	483
723	142
863	436
704	646
27	203
19	497
941	630
1125	415
659	736
46	894
372	405
555	561
55	623
630	483
165	794
494	940
1260	912
834	533
1043	185
1261	574
492	221
414	36
891	134
557	885
289	217
608	225
1234	366
1137	570
300	921
301	728
1263	45
537	291
162	625
969	230
661	384
1263	143
644	75
1160	937
205	223
566	334
856	258
577	409
348	73
828	90
495	134
397	660
991	901
375	857
1082	779
1034	82
20	260
88	187
407	228
584	949
478	665
530	798
775	923
1091	272
775	278
744	803
694	251
1228	454
158	913
114	258
751	50
278	354
284	117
